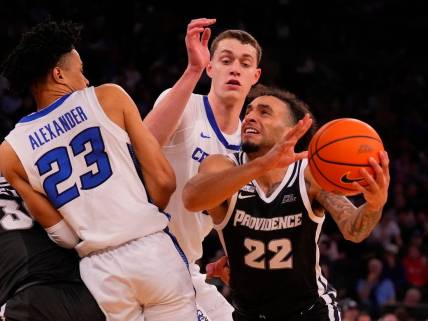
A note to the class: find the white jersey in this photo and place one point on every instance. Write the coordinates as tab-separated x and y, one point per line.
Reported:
83	162
196	137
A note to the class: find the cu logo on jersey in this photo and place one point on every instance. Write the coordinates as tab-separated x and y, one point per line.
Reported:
199	155
201	316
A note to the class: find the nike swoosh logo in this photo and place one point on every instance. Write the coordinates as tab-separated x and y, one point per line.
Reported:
204	136
240	196
345	179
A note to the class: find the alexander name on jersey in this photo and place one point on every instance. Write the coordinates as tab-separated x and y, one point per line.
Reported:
58	127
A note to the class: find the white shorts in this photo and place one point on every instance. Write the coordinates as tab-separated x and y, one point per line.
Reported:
211	304
147	275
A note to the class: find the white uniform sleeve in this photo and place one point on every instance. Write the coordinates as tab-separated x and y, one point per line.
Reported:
63	235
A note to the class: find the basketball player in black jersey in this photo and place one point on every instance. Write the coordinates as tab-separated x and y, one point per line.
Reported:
39	281
268	211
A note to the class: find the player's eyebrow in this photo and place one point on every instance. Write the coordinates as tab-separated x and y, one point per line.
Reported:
264	106
229	52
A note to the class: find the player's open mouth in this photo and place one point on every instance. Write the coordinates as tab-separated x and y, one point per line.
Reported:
251	130
233	82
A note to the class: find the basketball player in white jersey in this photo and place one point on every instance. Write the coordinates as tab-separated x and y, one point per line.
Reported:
191	126
269	211
74	159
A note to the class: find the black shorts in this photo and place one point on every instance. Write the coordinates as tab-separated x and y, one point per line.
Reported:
317	311
54	302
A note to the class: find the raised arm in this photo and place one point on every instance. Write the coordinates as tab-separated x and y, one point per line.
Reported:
163	120
159	177
219	178
356	224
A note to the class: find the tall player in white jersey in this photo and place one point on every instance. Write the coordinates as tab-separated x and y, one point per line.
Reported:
74	159
191	126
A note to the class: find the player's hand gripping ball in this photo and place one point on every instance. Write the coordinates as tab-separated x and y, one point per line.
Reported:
338	151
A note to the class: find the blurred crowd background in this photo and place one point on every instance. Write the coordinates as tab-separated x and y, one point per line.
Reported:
345	58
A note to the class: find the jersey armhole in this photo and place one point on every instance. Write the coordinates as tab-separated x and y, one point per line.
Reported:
101	115
29	170
229	212
304	194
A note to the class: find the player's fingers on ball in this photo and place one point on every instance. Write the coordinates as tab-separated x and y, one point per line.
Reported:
385	164
370	179
359	187
377	169
381	175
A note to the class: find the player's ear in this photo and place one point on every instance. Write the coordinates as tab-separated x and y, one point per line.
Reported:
257	75
57	75
209	69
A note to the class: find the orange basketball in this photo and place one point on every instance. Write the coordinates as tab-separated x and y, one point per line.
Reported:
337	152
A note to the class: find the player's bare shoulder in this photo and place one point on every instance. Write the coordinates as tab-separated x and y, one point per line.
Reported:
216	163
108	93
115	101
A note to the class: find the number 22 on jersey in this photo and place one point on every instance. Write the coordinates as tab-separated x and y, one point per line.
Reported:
89	141
282	259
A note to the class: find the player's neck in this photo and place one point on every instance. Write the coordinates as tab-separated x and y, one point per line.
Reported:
46	95
271	180
226	113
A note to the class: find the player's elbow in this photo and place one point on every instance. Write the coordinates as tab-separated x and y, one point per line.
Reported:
167	183
190	199
354	238
161	195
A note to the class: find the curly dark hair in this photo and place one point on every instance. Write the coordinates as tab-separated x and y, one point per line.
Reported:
298	109
38	52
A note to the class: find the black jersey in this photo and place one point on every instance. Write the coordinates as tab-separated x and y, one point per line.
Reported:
272	247
27	255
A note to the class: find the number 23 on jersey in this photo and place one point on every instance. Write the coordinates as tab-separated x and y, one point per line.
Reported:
90	141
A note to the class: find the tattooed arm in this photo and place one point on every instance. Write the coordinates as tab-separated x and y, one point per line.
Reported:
356	224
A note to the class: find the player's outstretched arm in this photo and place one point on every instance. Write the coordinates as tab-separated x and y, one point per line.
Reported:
163	120
159	177
219	178
356	224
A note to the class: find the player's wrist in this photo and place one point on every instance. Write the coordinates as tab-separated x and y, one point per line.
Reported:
194	70
373	208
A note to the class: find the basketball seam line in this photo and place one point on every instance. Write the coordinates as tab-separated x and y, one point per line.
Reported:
335	141
328	180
